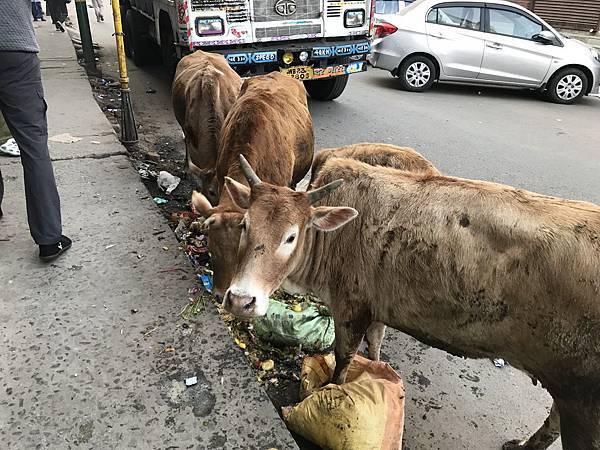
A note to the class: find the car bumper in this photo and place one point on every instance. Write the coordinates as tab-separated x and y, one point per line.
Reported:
380	59
596	82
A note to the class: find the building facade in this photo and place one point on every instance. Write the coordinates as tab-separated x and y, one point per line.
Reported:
569	14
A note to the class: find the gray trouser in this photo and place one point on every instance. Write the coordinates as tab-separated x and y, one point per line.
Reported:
24	108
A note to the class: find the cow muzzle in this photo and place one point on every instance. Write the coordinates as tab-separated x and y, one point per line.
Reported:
240	304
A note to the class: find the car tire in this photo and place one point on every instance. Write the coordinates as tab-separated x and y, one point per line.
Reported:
567	86
417	73
139	43
328	89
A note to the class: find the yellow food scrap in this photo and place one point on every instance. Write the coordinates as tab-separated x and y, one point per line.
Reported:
297	308
267	365
240	344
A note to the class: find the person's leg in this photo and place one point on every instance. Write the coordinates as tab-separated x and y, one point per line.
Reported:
23	106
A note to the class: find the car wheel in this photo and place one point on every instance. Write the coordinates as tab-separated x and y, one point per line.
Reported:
328	89
567	86
417	74
167	50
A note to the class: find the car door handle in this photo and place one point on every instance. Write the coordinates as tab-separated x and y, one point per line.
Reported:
438	35
494	45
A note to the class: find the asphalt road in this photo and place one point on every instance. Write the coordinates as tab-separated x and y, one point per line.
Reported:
507	136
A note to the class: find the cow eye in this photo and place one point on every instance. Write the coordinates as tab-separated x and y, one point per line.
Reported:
290	239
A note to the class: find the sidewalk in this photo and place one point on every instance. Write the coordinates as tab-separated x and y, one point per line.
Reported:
79	368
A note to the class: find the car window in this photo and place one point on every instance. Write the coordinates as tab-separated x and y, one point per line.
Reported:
432	16
457	16
512	23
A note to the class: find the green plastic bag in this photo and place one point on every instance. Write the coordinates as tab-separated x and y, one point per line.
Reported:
312	327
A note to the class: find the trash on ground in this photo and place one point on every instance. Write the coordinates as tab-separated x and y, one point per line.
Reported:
181	230
145	172
150	91
267	365
193	308
10	148
240	344
167	182
134	311
160	200
206	280
499	363
191	381
365	412
95	142
108	247
311	327
169	349
64	138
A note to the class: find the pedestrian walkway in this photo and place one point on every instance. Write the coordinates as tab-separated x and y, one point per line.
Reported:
83	339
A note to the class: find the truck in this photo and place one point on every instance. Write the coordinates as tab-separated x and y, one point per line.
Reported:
320	42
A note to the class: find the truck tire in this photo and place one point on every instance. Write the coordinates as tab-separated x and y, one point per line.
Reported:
140	46
126	32
168	51
326	90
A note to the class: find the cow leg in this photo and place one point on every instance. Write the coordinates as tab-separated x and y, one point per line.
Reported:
580	424
348	336
375	334
543	438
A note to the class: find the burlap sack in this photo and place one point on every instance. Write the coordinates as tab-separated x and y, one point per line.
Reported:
366	412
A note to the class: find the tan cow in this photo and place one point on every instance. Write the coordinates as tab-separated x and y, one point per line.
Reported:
403	158
204	90
475	268
270	124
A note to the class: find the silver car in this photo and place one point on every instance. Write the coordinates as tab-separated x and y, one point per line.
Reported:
489	43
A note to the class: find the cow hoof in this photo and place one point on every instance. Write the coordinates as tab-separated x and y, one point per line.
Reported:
517	444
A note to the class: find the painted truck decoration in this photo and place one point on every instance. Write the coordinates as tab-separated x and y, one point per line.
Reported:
311	40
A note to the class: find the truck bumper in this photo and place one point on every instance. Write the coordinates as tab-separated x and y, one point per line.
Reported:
325	58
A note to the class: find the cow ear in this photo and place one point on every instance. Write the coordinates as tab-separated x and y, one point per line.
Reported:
201	204
328	218
240	194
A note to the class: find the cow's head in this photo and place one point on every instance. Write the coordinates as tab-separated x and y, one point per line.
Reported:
273	236
223	232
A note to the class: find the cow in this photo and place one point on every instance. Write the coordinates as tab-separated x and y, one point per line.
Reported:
271	126
474	268
375	154
204	90
404	158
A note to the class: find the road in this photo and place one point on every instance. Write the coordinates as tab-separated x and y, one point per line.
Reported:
505	136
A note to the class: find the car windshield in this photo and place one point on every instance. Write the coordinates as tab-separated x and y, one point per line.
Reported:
410	6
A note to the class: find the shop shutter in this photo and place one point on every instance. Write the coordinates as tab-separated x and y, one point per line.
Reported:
570	14
525	3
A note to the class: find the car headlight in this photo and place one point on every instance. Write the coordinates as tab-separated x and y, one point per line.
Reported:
595	54
209	26
354	18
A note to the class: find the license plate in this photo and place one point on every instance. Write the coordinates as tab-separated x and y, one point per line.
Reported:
299	72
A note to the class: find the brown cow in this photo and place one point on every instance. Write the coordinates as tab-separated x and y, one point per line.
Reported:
403	158
475	268
203	92
270	124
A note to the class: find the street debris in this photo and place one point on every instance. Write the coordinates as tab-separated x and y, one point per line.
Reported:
499	363
108	247
160	200
267	365
191	381
365	412
169	349
64	138
206	280
10	148
134	311
311	326
167	182
150	91
145	172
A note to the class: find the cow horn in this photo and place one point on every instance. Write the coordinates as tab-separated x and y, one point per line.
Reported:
319	193
248	172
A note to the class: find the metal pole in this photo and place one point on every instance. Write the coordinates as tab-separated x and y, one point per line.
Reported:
127	121
86	35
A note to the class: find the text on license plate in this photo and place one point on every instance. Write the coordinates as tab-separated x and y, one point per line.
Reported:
299	72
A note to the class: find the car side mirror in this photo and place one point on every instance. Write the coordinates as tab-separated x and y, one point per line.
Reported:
544	37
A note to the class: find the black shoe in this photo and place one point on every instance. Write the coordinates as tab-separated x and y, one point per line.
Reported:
59	27
1	213
42	19
50	252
